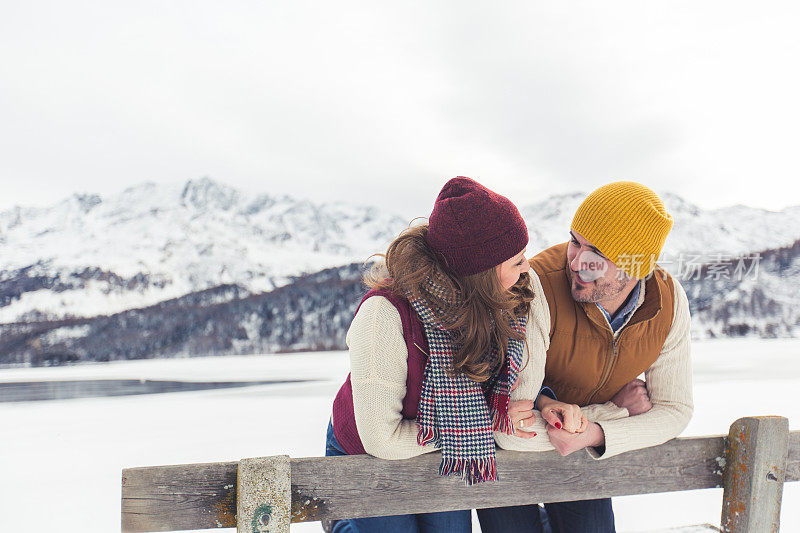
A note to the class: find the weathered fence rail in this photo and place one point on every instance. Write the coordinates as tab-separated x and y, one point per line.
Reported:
751	463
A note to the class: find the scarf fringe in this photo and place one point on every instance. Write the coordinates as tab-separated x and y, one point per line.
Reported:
427	435
502	422
472	471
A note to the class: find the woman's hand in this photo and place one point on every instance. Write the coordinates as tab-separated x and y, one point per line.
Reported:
560	415
521	414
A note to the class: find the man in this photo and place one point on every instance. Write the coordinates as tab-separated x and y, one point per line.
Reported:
604	313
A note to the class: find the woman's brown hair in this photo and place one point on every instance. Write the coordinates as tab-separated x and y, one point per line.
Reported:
476	310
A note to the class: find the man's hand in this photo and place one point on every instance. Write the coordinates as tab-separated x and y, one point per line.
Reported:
633	396
565	443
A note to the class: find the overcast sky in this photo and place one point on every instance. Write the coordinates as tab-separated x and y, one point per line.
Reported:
382	102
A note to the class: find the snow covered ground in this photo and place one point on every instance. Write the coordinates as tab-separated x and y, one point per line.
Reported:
60	461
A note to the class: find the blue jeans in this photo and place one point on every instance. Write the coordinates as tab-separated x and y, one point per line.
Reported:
446	522
585	516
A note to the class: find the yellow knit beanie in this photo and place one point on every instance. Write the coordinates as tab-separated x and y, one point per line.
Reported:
627	222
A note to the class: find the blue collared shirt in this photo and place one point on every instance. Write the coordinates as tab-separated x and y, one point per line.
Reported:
626	311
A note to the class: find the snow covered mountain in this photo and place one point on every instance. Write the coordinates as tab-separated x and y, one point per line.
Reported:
762	300
89	255
310	313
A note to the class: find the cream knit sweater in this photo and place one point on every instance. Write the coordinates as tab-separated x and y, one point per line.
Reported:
378	366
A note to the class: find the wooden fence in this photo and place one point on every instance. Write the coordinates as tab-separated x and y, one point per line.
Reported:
751	463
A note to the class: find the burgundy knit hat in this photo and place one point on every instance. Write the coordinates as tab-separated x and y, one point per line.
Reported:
474	229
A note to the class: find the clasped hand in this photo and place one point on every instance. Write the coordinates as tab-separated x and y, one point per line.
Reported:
560	416
566	425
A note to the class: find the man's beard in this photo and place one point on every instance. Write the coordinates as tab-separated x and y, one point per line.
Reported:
595	291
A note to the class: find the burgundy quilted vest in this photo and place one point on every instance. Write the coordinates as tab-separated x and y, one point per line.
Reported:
344	421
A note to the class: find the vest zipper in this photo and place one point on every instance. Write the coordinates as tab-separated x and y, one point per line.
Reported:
614	350
606	372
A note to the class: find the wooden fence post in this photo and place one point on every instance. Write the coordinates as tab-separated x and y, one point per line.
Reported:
264	495
755	469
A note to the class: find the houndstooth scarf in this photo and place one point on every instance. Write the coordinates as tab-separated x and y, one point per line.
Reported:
453	411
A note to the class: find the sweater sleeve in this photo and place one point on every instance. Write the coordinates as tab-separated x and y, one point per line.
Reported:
378	373
669	384
537	343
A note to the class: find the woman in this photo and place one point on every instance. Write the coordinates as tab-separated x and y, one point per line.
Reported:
436	347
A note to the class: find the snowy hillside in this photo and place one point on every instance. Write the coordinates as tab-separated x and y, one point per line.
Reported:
90	255
764	301
311	313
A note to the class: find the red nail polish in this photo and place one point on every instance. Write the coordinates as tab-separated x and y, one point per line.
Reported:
558	425
534	434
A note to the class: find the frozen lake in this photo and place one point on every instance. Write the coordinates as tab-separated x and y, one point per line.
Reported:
68	389
60	460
